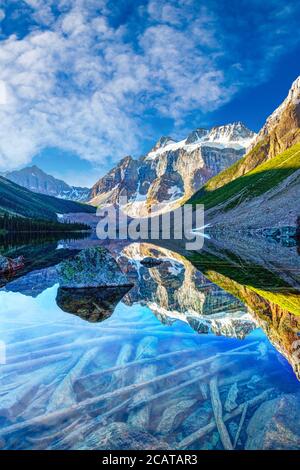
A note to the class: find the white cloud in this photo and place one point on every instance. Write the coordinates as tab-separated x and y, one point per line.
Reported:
78	83
3	93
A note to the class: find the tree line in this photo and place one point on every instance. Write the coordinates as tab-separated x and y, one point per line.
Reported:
9	223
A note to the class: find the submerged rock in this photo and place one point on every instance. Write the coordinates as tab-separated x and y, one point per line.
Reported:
173	415
275	425
92	267
121	436
93	304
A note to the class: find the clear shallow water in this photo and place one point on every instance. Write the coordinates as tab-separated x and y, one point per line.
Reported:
144	377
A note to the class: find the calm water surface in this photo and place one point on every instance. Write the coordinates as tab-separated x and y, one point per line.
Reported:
149	373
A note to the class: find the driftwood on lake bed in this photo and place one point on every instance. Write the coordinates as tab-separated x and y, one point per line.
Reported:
76	344
241	423
235	351
42	443
15	360
64	394
177	388
133	364
29	364
218	414
39	340
147	348
80	432
119	378
32	391
84	405
27	327
187	441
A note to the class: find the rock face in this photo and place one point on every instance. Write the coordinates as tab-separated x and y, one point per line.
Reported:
37	181
92	304
280	132
92	267
260	190
172	171
120	180
281	129
275	425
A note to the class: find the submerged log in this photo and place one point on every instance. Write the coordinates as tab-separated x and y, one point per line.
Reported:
147	348
79	434
139	362
241	423
39	340
218	413
119	378
175	389
49	440
187	441
46	420
59	349
64	393
31	363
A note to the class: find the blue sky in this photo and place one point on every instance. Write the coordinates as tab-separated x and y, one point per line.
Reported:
85	82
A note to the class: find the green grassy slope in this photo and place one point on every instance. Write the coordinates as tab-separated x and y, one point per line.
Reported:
15	199
254	183
235	277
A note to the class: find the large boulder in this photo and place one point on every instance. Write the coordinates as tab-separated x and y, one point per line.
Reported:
92	267
275	425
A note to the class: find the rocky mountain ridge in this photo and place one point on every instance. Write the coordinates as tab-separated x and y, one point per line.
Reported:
36	180
160	180
260	190
172	171
280	132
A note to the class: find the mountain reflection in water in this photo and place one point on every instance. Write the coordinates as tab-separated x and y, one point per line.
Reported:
220	324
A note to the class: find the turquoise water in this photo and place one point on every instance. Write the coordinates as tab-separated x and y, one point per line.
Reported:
146	377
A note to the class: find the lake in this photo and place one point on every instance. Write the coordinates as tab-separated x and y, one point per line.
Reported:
201	353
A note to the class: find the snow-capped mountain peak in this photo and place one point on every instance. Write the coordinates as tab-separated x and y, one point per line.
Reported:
235	132
196	135
235	135
163	142
173	171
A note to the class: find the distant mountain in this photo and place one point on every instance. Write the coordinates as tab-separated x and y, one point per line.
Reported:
36	180
15	199
172	171
261	189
